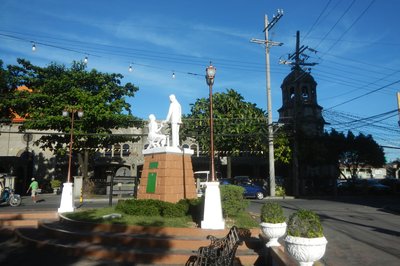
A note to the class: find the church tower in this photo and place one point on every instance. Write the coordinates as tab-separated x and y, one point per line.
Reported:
299	97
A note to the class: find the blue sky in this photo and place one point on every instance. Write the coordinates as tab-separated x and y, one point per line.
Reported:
358	41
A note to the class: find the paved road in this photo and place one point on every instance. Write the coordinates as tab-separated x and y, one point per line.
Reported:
360	230
51	202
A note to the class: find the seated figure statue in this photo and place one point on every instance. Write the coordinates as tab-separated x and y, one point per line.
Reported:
154	137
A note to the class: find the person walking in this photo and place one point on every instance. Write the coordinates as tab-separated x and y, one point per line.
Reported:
34	186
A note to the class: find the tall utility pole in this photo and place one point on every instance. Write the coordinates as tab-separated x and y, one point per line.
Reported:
268	44
297	65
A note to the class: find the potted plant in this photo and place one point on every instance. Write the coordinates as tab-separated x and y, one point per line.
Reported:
273	222
305	240
55	185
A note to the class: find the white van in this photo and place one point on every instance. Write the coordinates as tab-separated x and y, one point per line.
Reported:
201	177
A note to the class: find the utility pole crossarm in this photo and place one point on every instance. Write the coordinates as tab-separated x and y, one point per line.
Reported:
296	55
269	43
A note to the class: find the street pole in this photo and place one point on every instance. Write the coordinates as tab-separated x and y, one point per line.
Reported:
212	136
212	215
67	197
70	147
268	44
269	110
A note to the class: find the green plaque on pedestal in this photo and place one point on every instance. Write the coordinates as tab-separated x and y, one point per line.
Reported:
153	165
151	183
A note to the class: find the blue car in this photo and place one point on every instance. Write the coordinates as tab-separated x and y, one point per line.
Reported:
250	190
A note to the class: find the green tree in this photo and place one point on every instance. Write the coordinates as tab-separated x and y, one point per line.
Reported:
55	87
361	151
239	126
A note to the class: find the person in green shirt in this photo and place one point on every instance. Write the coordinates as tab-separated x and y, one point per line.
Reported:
34	186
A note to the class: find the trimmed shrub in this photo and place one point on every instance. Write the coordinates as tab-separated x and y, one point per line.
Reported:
272	212
172	210
280	191
138	207
305	223
151	207
232	200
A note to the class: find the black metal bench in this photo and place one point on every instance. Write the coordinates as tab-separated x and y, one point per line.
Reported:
221	251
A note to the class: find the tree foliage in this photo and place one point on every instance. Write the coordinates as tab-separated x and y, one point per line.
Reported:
355	151
239	126
56	87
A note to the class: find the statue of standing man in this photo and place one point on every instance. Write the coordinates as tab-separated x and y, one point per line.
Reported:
174	116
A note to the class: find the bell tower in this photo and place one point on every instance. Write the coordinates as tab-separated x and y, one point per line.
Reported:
299	95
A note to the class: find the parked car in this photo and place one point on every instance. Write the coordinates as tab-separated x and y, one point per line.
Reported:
250	190
370	186
241	179
391	182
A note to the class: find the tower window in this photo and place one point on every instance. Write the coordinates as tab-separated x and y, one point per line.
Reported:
304	93
292	93
117	150
125	150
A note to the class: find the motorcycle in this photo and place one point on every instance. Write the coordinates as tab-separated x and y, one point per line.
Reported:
10	198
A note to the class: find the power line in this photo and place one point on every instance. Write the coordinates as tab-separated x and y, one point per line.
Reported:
336	23
351	26
317	20
365	94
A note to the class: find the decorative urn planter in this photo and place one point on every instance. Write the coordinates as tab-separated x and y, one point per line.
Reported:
306	250
273	231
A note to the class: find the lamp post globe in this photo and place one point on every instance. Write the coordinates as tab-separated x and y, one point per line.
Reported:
210	74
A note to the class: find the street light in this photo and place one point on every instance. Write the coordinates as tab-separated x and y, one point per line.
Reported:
212	217
210	74
67	200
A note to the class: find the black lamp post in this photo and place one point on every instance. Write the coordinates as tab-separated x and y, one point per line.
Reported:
66	113
212	216
210	74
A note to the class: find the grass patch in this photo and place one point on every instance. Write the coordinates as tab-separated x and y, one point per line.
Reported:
96	216
242	220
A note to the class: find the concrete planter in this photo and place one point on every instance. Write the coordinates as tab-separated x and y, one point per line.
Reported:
273	232
306	250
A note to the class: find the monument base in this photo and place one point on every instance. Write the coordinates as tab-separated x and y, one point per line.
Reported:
212	208
167	175
67	201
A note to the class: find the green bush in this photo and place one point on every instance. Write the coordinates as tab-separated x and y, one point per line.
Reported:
151	207
272	212
280	191
232	200
193	207
55	183
138	207
172	210
305	223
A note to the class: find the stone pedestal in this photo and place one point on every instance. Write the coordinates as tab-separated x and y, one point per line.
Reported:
167	175
78	185
67	201
212	208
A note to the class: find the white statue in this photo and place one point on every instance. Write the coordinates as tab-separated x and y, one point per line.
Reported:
174	116
154	137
